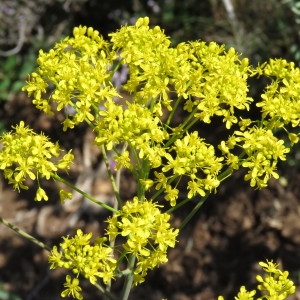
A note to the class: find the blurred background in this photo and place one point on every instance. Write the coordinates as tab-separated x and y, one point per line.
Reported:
220	248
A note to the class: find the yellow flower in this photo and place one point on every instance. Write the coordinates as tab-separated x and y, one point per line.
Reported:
91	261
26	154
280	99
72	288
275	283
245	295
148	234
262	153
195	159
63	195
41	195
79	70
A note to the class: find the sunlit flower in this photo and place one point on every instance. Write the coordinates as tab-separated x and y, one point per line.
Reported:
28	155
148	234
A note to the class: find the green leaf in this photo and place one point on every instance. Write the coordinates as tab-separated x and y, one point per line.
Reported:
10	63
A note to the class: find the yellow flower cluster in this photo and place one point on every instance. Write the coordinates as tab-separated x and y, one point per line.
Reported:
192	156
207	79
135	125
148	234
280	101
26	154
262	150
78	69
145	133
72	288
149	59
218	79
274	285
91	261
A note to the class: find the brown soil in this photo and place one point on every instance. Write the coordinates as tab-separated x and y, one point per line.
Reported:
217	251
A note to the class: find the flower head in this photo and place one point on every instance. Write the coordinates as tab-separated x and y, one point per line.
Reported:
77	72
275	283
92	261
148	234
28	155
72	288
263	151
280	100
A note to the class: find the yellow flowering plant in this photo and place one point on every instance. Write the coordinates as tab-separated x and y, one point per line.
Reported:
273	285
174	161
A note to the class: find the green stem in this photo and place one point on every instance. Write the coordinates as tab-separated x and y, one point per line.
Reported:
194	211
107	294
116	206
181	203
24	234
128	279
136	158
225	174
142	174
88	196
174	107
111	177
221	177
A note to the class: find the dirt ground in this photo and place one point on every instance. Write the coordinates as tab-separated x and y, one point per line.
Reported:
217	251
